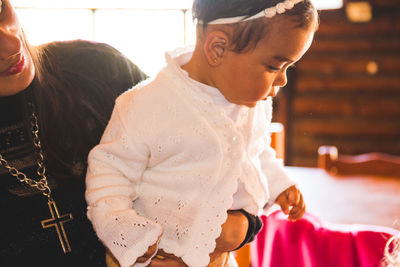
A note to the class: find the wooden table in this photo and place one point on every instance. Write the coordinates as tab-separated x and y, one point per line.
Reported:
369	200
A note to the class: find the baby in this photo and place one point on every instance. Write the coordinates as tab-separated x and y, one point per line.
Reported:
191	144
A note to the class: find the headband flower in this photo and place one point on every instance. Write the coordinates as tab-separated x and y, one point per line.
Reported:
270	12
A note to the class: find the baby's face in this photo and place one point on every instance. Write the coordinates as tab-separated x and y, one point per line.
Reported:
255	75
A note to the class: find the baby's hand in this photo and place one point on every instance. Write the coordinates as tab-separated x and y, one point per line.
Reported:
291	202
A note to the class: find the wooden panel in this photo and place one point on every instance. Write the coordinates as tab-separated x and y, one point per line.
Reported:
346	127
308	145
371	107
385	3
346	28
393	4
348	84
322	106
380	107
355	46
340	65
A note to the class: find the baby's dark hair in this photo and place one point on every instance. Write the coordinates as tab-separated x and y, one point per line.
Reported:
246	35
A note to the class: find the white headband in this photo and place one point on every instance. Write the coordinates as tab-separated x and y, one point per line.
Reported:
268	13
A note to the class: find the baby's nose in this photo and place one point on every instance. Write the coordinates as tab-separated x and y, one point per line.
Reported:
274	91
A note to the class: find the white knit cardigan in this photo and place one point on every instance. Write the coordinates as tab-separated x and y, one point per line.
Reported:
168	165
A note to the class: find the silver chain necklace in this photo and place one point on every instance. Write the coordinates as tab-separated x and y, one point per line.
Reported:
56	220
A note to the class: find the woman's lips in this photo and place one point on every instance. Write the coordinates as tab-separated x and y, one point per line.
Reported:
16	68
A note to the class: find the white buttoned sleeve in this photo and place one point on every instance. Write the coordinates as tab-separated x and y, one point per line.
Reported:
277	178
114	172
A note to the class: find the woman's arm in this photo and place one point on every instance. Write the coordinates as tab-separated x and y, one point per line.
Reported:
233	233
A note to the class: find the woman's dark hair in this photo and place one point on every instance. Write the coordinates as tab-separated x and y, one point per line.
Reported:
74	90
246	35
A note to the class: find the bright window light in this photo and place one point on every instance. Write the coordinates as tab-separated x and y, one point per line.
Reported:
46	25
325	4
143	36
120	4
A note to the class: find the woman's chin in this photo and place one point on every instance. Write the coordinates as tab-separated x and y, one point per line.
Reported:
14	84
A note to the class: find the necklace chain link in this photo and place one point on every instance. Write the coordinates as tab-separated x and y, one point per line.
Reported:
56	219
41	184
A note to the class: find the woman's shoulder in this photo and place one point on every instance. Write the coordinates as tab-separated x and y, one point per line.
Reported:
78	47
91	59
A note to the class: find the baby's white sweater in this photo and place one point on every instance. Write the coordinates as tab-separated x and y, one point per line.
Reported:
168	165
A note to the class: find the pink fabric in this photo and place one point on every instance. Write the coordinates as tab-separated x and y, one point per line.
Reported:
310	242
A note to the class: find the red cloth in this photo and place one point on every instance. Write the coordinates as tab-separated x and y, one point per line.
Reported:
309	242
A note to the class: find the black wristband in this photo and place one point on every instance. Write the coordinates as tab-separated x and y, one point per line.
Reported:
255	225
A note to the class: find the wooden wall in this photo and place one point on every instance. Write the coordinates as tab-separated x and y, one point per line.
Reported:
333	99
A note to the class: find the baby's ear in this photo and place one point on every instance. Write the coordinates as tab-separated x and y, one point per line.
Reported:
216	45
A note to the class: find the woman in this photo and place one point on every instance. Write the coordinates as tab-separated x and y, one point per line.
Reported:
68	90
55	101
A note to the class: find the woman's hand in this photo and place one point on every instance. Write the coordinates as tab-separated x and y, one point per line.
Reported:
163	259
233	233
152	249
150	252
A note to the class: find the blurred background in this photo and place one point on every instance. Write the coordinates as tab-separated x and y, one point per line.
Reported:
345	92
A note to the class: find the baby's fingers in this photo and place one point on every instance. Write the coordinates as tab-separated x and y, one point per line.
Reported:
297	211
293	195
283	203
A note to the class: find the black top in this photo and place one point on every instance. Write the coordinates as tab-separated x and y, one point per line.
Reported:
23	241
